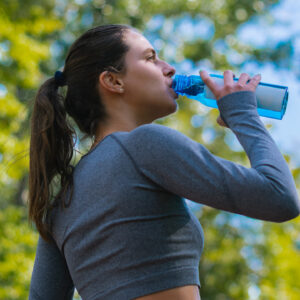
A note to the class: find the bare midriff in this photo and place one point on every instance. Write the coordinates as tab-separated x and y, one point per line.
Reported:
187	292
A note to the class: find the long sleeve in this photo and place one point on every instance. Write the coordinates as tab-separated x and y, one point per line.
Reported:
50	277
184	167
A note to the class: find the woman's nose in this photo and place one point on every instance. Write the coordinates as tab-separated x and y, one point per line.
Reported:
168	70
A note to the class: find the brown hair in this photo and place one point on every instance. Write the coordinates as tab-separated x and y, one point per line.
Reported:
51	141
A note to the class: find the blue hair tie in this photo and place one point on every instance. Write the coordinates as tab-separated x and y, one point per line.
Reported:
59	78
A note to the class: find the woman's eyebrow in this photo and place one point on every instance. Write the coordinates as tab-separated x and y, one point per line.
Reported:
148	50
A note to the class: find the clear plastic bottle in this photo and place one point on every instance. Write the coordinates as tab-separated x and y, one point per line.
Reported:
271	99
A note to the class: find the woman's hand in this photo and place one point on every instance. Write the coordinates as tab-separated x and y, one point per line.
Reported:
230	86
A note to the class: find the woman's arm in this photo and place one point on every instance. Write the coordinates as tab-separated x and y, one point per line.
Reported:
50	277
184	167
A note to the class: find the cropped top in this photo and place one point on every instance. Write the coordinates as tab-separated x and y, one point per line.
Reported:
128	231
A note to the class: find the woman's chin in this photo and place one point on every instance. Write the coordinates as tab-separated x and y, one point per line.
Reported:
174	101
173	106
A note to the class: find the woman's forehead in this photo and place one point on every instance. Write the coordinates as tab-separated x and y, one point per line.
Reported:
137	43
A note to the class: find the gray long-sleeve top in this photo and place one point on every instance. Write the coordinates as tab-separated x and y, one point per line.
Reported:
128	231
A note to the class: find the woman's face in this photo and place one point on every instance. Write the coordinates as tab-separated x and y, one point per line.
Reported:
147	82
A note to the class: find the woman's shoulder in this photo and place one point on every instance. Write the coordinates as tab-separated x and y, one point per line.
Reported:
153	140
151	128
151	135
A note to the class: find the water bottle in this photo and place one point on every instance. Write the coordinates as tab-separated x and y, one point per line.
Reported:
271	99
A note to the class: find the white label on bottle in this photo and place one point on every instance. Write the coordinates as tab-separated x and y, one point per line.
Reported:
268	97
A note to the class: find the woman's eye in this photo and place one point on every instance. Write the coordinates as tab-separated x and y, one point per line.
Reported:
151	57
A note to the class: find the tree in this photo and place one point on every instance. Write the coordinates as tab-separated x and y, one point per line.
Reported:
18	244
26	30
33	43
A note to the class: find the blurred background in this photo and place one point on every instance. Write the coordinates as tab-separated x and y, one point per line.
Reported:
243	258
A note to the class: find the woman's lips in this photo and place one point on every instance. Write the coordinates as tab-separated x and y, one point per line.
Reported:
173	93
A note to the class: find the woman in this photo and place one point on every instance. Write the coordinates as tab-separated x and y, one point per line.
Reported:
120	228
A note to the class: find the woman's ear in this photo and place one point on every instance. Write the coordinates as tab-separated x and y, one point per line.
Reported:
111	82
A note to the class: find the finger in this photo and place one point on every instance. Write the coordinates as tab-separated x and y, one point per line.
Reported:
243	78
228	77
208	81
254	81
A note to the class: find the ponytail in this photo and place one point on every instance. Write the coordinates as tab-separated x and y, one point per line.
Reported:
51	150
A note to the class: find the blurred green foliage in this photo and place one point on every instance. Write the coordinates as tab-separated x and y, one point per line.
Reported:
280	253
34	38
17	251
26	28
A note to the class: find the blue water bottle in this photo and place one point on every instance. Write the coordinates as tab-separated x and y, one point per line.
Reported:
271	99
